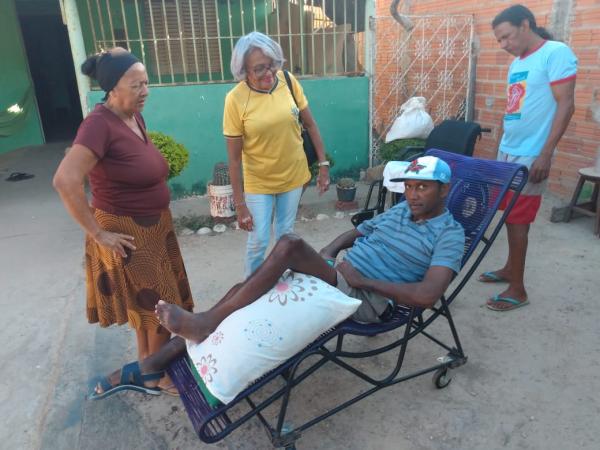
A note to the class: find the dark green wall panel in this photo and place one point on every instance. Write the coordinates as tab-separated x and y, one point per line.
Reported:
15	82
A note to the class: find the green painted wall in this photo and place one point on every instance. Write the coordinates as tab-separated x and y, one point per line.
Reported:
15	82
193	115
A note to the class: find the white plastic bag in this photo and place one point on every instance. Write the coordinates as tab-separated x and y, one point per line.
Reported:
412	122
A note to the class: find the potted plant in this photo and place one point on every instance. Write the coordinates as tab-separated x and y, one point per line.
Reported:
176	154
346	189
220	194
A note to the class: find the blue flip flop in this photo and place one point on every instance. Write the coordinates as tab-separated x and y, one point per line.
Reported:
491	278
131	380
514	303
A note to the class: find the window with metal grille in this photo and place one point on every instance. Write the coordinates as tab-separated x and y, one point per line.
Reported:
191	41
185	34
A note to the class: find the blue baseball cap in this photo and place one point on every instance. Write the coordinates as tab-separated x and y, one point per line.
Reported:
429	168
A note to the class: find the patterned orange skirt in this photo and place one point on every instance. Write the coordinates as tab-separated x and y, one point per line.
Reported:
121	290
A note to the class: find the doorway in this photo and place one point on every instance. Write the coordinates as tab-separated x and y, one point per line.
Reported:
51	65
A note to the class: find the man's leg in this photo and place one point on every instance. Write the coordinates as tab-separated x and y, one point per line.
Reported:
290	252
515	266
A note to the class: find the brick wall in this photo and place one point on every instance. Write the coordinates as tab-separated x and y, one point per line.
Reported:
579	22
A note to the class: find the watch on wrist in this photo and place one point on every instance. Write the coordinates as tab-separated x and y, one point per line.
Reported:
323	163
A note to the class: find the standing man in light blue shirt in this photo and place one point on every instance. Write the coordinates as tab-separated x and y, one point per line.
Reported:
540	103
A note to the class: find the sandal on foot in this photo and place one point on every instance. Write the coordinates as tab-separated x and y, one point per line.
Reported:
491	303
131	380
491	277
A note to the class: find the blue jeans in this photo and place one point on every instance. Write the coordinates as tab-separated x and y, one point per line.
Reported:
261	206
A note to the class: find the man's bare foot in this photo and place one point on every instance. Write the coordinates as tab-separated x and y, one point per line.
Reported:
193	327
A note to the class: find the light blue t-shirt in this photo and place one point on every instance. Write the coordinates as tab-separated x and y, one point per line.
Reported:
530	106
396	249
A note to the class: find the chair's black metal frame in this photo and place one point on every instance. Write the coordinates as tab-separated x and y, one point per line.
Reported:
213	424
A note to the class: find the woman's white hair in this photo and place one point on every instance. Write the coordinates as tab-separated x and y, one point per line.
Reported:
249	42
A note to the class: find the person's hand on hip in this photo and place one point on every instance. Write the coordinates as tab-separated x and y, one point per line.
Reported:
116	242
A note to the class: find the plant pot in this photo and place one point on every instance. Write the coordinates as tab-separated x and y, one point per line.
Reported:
221	201
346	194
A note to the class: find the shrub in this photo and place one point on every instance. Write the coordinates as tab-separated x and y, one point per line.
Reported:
176	154
399	150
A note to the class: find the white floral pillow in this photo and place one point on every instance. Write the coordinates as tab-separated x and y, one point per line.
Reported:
265	334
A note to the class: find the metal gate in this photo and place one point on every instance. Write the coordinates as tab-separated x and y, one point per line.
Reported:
435	60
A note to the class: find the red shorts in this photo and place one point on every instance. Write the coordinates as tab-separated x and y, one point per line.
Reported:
524	210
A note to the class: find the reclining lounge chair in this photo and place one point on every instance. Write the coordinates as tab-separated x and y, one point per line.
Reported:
477	188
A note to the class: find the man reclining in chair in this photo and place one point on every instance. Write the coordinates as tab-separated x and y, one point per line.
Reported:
406	255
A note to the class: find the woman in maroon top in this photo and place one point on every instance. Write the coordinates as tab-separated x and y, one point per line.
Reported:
131	251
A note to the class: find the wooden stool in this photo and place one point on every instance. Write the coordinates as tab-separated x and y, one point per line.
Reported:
591	208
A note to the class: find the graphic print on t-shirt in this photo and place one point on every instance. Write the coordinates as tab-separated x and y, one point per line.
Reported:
517	87
296	114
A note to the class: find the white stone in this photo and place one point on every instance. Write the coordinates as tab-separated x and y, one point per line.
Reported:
220	228
304	219
339	215
322	217
186	232
204	231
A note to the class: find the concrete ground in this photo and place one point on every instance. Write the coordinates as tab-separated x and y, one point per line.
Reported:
531	381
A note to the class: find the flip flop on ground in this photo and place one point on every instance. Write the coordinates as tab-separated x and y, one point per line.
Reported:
18	176
493	303
492	277
131	380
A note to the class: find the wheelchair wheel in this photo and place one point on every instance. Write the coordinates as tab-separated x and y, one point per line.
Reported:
441	378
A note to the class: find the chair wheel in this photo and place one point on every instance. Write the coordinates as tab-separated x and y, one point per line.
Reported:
441	378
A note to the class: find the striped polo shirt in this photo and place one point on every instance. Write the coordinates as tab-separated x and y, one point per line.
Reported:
396	249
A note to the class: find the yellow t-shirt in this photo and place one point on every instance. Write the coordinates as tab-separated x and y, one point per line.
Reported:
273	159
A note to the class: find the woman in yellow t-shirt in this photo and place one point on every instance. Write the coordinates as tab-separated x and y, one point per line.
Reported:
262	128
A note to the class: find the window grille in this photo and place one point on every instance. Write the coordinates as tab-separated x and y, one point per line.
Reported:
191	41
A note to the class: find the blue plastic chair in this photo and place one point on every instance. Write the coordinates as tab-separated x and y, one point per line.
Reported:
477	187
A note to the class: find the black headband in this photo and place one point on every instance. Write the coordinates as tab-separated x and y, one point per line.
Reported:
111	66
